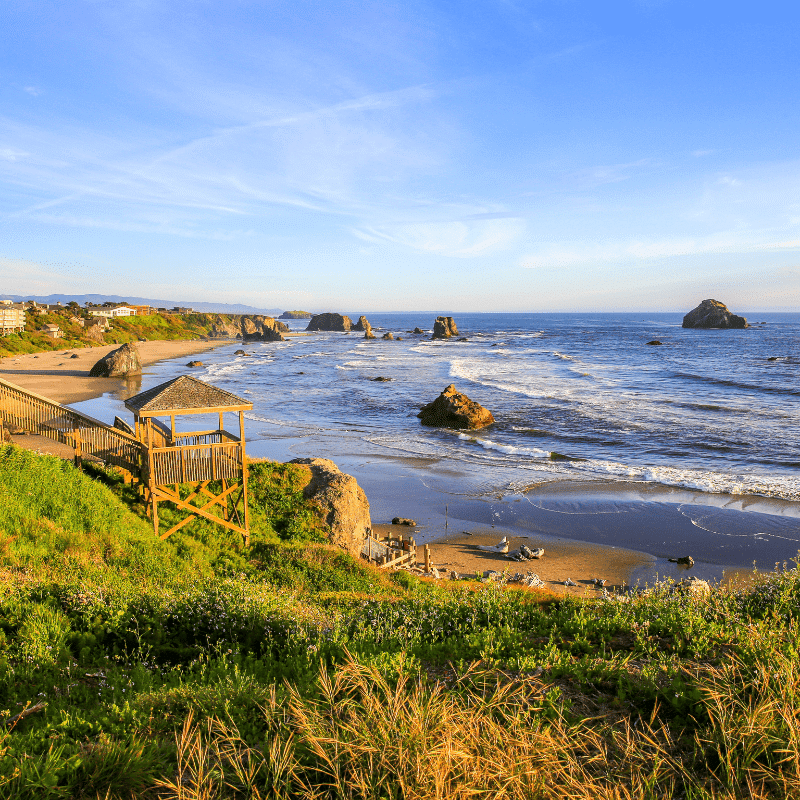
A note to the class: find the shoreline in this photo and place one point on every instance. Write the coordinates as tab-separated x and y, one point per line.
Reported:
58	376
622	531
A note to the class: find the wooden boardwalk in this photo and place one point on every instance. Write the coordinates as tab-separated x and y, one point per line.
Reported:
177	468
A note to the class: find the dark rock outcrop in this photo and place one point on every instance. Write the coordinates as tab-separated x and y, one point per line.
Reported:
342	503
296	315
444	328
713	314
451	409
404	521
418	330
330	322
195	364
118	363
654	343
362	324
381	379
388	335
258	328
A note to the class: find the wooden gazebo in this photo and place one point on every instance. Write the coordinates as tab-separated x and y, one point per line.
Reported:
197	458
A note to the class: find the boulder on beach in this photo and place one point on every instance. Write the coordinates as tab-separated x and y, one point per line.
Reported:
452	409
118	363
404	521
713	314
330	322
341	502
444	328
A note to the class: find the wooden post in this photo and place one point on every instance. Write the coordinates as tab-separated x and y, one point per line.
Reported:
172	426
76	441
427	556
244	480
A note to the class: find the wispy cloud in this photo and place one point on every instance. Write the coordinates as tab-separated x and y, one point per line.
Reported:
456	239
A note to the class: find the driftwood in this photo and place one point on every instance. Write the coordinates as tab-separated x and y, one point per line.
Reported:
26	712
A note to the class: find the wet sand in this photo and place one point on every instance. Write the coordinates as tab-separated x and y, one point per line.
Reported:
59	377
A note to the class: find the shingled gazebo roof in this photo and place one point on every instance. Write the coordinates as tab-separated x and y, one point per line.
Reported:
184	395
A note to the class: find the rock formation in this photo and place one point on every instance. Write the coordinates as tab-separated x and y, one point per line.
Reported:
362	324
329	322
118	363
258	328
388	335
444	328
195	364
418	330
296	315
341	502
451	409
223	328
368	334
713	314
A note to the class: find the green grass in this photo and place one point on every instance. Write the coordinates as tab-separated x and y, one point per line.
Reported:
123	329
198	668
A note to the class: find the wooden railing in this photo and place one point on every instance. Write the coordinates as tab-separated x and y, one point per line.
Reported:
87	436
196	462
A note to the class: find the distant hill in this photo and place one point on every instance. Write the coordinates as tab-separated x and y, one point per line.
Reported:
99	299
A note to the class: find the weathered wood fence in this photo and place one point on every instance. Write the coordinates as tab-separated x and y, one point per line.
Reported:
28	411
391	550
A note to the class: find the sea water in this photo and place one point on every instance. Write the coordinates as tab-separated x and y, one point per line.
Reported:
577	398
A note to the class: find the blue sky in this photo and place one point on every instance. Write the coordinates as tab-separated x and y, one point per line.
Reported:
507	155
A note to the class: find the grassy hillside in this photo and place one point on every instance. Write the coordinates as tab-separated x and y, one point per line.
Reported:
123	329
197	668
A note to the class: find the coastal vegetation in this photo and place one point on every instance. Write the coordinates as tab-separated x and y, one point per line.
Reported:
198	668
122	329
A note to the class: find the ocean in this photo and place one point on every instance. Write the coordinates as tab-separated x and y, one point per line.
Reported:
715	413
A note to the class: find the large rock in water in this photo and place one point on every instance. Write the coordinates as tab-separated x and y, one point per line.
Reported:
444	328
341	501
118	363
362	324
451	409
329	322
259	328
713	314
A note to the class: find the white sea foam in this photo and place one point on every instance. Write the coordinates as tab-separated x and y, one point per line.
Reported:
488	444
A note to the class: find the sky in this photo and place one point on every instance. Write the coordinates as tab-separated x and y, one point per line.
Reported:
495	155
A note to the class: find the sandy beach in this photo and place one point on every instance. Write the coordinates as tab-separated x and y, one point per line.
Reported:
59	376
579	562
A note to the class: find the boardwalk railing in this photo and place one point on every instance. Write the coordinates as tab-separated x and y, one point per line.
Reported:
195	462
87	436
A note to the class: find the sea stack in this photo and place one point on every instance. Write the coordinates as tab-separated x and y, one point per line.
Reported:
452	409
330	322
444	328
713	314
